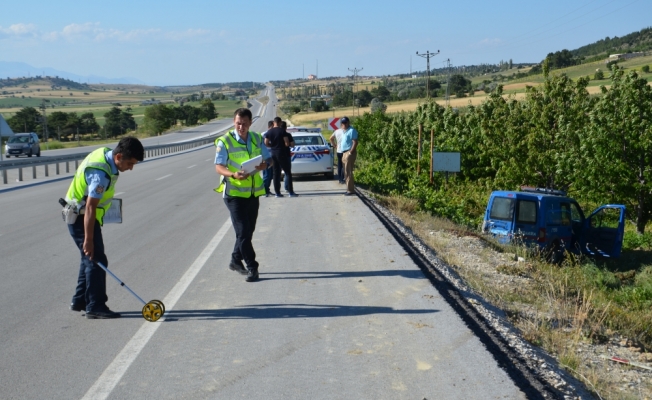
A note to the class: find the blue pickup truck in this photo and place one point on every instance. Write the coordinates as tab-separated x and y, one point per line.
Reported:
554	223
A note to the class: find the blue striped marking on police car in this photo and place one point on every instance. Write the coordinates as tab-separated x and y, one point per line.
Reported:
315	157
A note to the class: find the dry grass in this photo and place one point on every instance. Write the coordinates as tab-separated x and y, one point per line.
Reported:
543	301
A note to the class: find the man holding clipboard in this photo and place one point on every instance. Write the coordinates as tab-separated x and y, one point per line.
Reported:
240	155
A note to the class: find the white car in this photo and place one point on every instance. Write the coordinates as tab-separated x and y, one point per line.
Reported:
312	154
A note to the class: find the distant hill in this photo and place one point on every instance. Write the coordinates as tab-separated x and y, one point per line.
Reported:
12	69
636	41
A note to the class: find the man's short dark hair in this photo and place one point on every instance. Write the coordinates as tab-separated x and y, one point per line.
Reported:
130	147
284	125
270	124
278	120
243	112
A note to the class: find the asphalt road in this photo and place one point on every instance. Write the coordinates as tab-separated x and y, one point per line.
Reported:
340	310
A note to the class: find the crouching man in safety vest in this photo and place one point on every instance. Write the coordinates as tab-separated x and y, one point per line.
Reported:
241	190
92	190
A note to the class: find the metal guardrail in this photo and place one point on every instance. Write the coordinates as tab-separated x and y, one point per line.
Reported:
150	151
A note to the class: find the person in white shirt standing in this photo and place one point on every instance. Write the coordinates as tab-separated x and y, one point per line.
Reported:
336	141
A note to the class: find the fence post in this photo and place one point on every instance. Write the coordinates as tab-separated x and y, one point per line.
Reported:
432	139
419	151
57	168
47	171
67	167
20	174
34	172
4	176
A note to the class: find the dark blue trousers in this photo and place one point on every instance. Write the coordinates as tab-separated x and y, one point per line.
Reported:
340	168
244	214
91	283
268	174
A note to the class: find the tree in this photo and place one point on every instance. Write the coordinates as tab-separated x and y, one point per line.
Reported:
377	106
159	117
618	147
88	123
118	122
645	68
319	105
599	75
207	110
25	120
459	85
381	92
364	97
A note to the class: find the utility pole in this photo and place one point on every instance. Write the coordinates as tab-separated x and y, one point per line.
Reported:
427	56
448	82
45	125
355	74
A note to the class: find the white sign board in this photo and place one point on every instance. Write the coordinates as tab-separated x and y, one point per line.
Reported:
334	124
448	162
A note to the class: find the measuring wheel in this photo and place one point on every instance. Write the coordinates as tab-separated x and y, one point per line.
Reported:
153	310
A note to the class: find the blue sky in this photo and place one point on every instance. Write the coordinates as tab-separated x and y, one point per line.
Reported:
191	41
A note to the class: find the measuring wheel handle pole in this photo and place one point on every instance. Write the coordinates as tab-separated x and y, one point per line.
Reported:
152	310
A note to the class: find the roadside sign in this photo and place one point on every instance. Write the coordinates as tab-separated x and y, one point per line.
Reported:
333	124
448	162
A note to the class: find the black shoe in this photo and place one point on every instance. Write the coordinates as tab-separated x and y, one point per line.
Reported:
278	195
252	275
78	307
293	194
108	314
238	266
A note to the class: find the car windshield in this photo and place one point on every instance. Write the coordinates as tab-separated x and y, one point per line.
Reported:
19	139
308	141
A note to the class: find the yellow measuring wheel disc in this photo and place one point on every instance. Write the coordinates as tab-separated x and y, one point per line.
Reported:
160	303
152	311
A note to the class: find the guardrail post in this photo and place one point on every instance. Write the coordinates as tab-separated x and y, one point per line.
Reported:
67	167
76	164
47	173
34	172
20	174
57	168
4	176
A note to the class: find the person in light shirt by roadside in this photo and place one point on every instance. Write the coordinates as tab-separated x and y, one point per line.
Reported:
349	152
336	141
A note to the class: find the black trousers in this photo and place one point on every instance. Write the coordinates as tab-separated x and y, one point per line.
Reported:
340	168
91	281
284	162
244	213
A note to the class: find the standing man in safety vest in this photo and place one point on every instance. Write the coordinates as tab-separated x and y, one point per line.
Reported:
241	190
91	191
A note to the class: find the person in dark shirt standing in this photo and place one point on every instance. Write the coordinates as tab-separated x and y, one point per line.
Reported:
278	141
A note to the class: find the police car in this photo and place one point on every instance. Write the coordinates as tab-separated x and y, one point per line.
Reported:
312	154
554	222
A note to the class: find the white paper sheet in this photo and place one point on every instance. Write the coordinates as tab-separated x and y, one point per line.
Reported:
249	166
114	214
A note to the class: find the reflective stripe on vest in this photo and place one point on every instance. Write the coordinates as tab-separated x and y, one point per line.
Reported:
238	154
78	190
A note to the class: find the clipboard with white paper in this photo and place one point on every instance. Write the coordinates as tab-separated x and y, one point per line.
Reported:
249	166
114	214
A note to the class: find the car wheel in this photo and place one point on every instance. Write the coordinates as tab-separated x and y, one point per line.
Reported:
29	155
7	155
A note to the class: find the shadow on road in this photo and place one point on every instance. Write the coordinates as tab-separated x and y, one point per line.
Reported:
279	311
413	274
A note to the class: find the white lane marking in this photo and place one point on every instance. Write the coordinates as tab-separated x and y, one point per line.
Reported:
208	159
105	384
118	193
163	177
192	166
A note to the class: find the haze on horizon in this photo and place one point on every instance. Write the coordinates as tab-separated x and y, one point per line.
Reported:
173	43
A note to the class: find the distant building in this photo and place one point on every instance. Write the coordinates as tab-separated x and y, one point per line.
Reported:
312	77
324	97
150	102
624	56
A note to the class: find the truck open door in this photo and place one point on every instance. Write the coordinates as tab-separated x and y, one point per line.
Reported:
603	231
